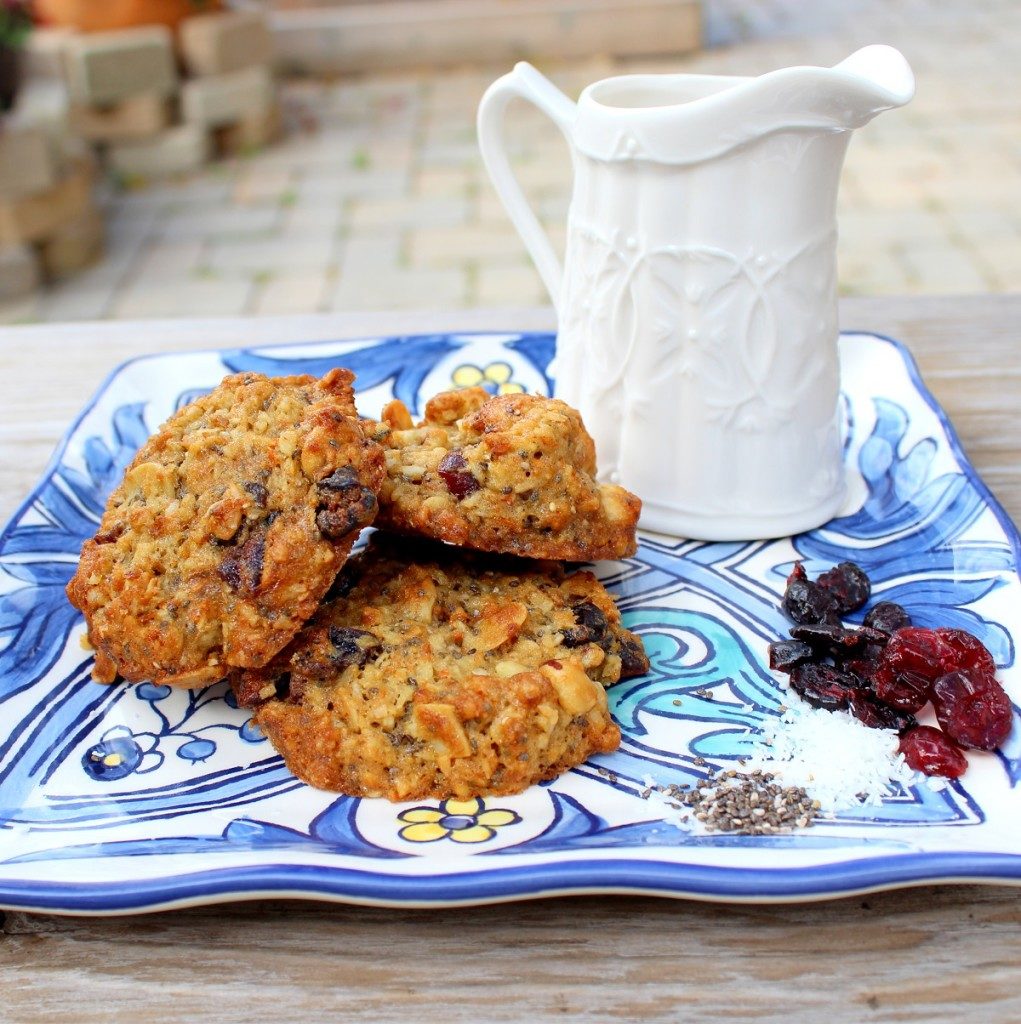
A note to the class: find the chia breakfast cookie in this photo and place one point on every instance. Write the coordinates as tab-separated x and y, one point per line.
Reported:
432	672
513	474
230	525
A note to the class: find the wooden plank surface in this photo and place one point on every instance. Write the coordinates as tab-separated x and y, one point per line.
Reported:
928	954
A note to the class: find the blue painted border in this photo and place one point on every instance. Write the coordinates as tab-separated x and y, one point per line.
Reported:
572	877
559	877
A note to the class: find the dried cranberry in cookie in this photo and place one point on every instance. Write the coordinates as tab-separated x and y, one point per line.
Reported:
445	673
228	528
513	474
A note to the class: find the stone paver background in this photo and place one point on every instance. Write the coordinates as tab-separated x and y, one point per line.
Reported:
376	198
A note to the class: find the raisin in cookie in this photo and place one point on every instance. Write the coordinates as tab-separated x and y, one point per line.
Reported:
230	525
513	474
436	672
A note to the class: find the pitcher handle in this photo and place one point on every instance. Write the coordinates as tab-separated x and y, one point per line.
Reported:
526	83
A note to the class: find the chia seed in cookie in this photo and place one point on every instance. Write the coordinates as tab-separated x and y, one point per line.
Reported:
513	474
230	525
433	672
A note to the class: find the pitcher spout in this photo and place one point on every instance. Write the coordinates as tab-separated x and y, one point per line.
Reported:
686	119
876	78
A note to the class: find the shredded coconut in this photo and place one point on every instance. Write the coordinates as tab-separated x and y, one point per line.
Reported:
839	761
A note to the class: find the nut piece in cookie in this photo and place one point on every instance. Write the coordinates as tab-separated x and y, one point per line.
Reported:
433	672
513	474
230	525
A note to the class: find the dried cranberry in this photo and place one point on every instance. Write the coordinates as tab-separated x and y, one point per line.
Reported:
591	628
785	654
342	479
887	616
907	691
258	492
965	653
870	712
457	476
241	567
848	585
917	650
797	573
932	752
345	504
822	686
633	659
865	667
973	710
806	602
352	646
834	640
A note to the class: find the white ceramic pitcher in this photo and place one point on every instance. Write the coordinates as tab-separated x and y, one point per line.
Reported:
697	304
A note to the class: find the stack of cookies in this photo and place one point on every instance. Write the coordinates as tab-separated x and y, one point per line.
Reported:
452	656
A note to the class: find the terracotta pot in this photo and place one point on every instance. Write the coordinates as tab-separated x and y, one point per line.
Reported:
103	15
10	77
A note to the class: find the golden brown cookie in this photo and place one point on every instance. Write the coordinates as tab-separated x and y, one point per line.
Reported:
436	672
513	474
229	527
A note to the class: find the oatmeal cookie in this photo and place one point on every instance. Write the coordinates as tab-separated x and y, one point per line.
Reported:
434	672
230	525
513	474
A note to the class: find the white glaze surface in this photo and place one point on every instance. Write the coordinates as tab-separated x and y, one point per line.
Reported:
697	304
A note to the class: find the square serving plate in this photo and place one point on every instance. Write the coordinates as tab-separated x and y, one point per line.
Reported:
116	799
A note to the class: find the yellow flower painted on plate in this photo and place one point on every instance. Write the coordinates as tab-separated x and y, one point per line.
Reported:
495	378
463	821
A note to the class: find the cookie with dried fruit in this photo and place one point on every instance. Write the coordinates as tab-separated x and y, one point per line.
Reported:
435	672
228	528
513	474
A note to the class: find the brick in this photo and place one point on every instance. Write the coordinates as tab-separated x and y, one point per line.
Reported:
347	38
259	184
77	244
216	44
292	293
164	261
107	67
872	271
510	286
945	268
377	256
226	99
175	151
253	131
73	150
43	55
43	105
306	250
1003	258
369	214
37	217
401	289
139	117
456	245
238	222
19	271
446	181
26	162
199	296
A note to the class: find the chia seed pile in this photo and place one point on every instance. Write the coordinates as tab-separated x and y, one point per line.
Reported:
751	803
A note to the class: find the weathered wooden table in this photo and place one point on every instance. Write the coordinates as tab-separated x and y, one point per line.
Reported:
929	954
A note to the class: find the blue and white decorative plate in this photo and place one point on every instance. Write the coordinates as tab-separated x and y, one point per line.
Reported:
126	798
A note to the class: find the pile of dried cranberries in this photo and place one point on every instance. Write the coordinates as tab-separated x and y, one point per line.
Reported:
886	670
